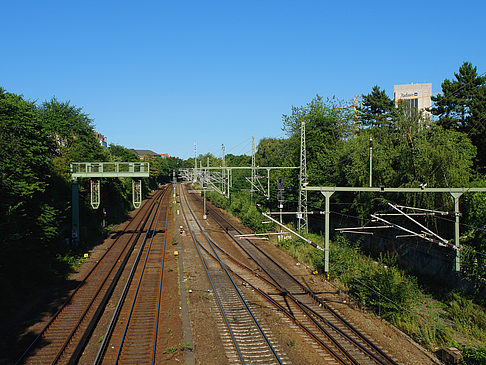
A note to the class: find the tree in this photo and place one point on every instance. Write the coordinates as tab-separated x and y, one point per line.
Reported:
272	152
327	127
64	122
28	220
122	154
462	107
377	109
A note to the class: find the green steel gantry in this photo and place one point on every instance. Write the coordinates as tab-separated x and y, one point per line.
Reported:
456	193
97	170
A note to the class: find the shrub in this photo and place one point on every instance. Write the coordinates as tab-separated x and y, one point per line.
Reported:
386	290
467	316
473	356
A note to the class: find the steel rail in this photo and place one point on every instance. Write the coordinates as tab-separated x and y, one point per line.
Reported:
157	213
307	290
304	308
196	243
314	297
223	266
160	285
111	327
291	316
101	307
284	310
82	283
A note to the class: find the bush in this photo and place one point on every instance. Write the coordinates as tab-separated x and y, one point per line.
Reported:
386	290
240	205
473	356
467	316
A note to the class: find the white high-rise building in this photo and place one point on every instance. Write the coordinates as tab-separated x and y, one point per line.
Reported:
418	96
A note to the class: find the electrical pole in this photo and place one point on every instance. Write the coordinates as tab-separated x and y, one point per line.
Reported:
302	219
253	170
457	260
75	212
223	174
281	187
195	162
371	162
204	184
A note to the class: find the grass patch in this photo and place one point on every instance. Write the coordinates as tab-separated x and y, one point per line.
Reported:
170	350
185	346
292	343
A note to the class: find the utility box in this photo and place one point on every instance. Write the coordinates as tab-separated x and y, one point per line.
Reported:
450	355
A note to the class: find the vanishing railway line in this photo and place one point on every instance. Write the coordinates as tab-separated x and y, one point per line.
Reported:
69	330
129	278
316	319
133	332
249	342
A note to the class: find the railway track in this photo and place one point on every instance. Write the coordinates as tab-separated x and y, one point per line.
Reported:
245	340
133	335
66	334
311	315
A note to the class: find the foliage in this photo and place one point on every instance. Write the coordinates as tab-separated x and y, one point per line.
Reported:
37	144
121	154
474	356
327	127
272	152
467	317
474	239
27	217
376	110
376	285
183	346
170	350
241	206
386	291
462	107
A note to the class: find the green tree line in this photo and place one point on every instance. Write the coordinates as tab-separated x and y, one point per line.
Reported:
38	141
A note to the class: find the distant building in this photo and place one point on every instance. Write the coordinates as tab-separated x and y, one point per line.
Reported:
416	96
142	153
101	138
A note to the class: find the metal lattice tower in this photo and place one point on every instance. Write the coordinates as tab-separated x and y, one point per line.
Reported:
195	163
302	222
223	188
253	170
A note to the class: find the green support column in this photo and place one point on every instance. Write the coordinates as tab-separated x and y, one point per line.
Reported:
268	184
327	195
457	263
75	212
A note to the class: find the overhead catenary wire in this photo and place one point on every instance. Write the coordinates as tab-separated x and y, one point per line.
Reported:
377	234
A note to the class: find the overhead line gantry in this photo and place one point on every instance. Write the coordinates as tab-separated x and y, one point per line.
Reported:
97	170
456	193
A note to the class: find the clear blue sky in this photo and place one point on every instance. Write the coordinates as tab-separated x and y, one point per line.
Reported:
159	75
